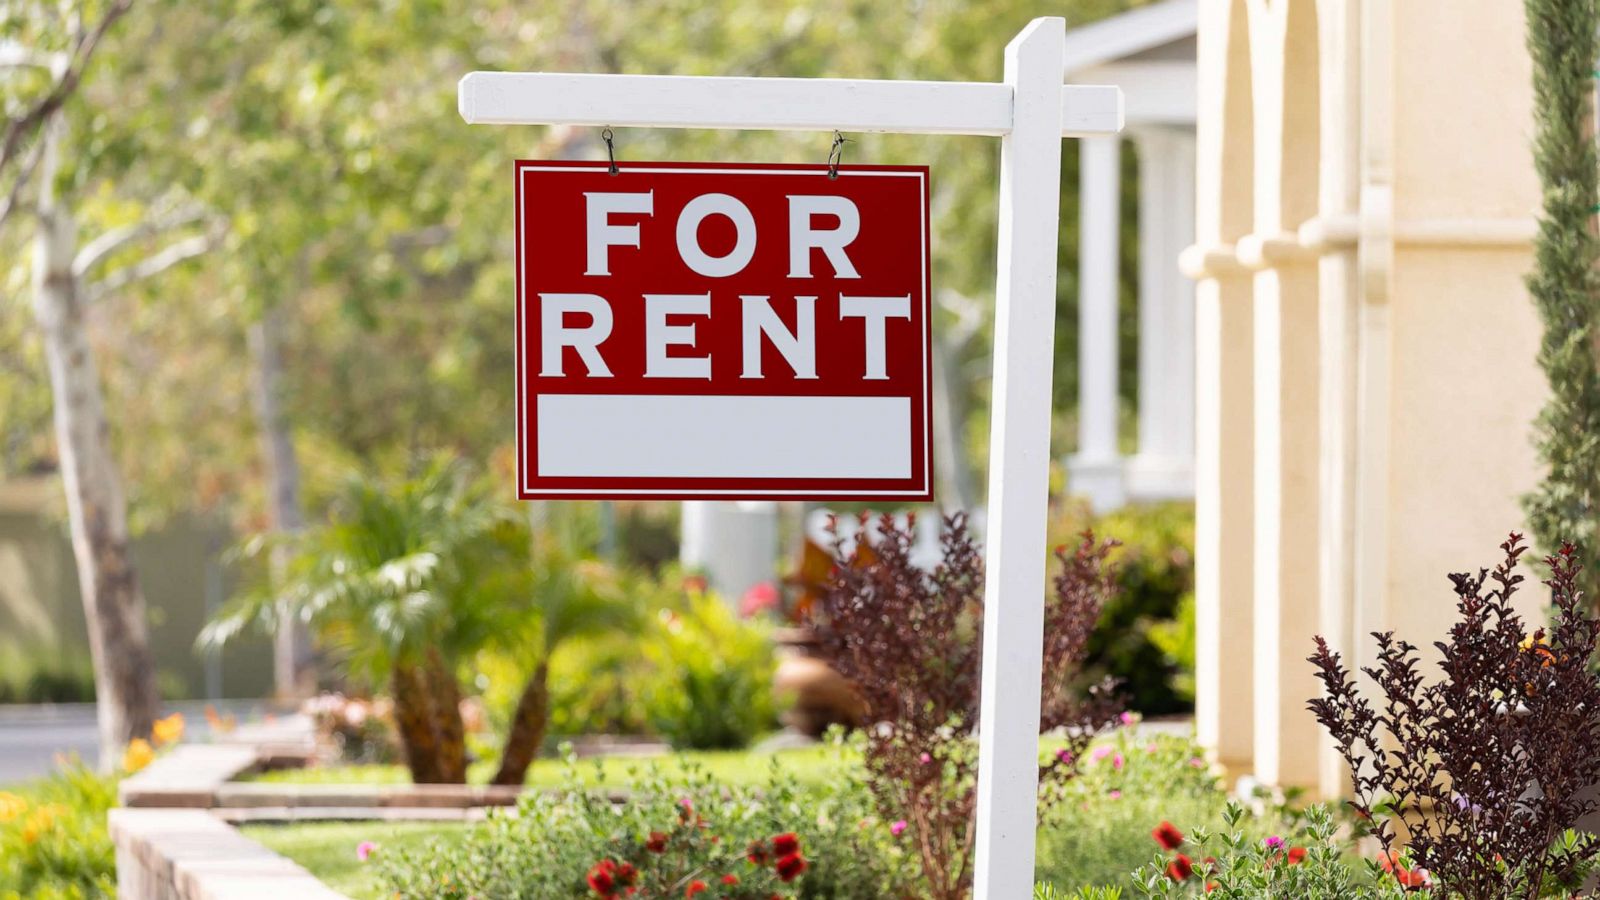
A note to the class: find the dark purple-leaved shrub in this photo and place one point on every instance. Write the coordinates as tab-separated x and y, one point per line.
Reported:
1485	768
909	640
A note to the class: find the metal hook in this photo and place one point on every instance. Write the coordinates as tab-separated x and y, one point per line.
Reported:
836	154
611	149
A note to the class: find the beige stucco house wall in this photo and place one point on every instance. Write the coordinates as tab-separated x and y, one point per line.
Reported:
1365	345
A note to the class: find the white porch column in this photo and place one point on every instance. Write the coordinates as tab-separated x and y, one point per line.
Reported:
1163	469
1096	470
735	544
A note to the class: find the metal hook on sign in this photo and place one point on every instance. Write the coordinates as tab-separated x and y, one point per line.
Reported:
836	154
611	148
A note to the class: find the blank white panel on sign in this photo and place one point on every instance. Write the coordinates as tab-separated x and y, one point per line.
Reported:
633	435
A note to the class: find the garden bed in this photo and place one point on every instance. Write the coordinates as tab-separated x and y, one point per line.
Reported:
1099	833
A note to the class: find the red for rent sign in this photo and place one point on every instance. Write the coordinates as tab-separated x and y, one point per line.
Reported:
723	331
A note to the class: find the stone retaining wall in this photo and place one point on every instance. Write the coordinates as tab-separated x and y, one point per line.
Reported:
189	854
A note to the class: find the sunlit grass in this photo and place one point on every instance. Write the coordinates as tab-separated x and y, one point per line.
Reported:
809	765
328	849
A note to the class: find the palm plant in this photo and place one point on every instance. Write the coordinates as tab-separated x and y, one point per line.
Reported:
561	596
409	578
393	585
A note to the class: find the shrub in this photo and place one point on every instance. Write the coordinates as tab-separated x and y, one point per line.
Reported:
710	680
1485	767
1563	41
1142	640
908	639
816	843
53	839
1307	863
45	677
597	687
360	731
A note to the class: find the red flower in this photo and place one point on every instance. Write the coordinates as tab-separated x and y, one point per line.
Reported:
1411	878
657	842
786	844
695	887
757	853
1180	868
601	877
1168	836
626	874
1296	855
790	867
730	879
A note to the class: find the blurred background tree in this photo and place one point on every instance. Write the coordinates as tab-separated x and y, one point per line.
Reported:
353	313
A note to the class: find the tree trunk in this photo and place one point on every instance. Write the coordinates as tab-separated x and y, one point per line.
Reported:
414	720
447	719
113	606
293	665
527	728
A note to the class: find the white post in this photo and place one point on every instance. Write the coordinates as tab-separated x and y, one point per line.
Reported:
1163	469
1019	453
736	543
1096	469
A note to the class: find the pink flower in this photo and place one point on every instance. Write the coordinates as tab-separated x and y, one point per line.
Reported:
1115	795
1197	762
365	849
898	828
925	759
1063	756
1101	752
757	598
1128	718
1274	843
1116	762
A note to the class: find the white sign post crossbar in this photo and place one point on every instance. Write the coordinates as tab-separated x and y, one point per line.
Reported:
1030	111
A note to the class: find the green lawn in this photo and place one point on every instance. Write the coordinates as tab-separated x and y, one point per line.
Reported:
811	765
328	849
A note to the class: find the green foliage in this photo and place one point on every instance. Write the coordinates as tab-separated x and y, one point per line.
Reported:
359	207
51	677
1046	891
53	839
1143	639
403	567
1236	864
1100	828
554	840
1564	41
709	676
596	687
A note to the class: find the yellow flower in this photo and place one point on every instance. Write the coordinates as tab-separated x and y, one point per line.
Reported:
138	755
168	730
11	806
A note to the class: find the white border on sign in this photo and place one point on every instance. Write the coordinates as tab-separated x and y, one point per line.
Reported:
927	336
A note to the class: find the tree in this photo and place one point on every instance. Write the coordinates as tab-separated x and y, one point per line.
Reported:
1564	40
65	288
61	70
